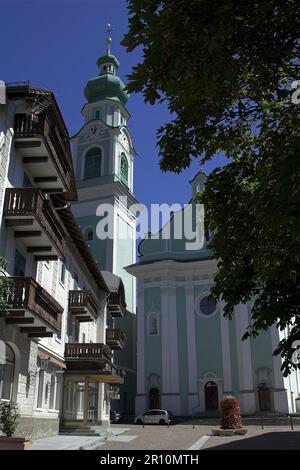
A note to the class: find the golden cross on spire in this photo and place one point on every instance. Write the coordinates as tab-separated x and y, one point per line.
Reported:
108	38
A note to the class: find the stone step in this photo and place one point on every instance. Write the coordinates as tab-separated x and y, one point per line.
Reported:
78	431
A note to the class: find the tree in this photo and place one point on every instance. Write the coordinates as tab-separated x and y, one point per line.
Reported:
227	71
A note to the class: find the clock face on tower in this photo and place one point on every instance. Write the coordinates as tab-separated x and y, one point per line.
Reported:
93	131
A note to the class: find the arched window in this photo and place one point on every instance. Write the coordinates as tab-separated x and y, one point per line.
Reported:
92	164
88	234
124	168
153	324
7	372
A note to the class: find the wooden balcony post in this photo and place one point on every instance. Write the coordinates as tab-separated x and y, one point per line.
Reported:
86	401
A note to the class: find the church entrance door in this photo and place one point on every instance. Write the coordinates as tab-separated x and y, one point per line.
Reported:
154	398
264	397
211	396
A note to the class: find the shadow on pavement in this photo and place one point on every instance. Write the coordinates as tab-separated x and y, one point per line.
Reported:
288	440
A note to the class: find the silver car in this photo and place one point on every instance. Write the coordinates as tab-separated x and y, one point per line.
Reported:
154	417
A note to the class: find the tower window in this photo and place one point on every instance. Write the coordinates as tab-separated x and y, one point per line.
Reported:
124	168
92	167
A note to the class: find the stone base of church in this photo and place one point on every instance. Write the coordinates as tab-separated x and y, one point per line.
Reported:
281	401
247	403
171	402
140	404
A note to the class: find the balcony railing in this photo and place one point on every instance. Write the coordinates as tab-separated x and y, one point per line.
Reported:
29	126
82	302
27	296
116	305
93	359
30	202
87	351
115	338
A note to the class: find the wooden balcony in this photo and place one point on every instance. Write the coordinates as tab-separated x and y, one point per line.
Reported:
115	338
116	304
45	154
82	305
34	223
32	308
92	360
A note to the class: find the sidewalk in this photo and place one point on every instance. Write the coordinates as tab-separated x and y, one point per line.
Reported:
73	442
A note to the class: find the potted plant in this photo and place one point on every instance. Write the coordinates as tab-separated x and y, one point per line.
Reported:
231	420
9	418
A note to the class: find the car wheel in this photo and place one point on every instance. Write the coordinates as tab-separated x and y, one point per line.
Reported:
161	421
139	421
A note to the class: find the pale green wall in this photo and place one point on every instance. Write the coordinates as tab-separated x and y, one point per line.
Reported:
153	351
208	344
233	358
183	370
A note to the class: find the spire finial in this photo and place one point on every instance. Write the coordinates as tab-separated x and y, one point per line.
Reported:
108	38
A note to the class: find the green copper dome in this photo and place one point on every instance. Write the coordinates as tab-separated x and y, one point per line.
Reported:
107	84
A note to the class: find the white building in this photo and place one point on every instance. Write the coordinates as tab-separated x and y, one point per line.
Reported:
55	359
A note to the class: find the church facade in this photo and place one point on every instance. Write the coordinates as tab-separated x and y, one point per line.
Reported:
188	355
104	154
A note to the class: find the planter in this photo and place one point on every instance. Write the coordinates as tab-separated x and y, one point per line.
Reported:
14	443
229	432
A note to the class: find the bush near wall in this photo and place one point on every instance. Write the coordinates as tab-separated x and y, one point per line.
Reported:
230	413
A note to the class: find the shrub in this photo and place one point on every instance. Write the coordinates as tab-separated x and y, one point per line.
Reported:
9	417
230	413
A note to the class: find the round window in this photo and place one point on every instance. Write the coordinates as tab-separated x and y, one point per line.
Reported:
207	305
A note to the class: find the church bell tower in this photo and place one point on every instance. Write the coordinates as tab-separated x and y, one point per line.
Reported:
104	161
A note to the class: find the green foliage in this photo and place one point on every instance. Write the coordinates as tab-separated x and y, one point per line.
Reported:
9	417
225	70
5	284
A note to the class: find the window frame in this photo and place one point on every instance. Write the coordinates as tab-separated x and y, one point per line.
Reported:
198	309
12	364
92	147
124	179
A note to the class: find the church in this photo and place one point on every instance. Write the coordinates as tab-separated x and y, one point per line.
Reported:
188	355
181	354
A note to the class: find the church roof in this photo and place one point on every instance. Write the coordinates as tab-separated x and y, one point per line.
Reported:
107	84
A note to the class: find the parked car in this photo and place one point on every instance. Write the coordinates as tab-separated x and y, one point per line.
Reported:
115	417
155	417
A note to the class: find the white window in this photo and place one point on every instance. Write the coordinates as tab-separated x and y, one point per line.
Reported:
7	372
63	271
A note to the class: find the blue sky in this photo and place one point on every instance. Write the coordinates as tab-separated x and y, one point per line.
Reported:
55	44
